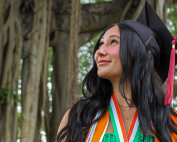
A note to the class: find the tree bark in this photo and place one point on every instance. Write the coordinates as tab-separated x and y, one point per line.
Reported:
36	55
59	83
73	61
43	84
10	54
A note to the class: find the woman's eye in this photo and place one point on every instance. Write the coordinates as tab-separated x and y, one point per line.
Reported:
113	41
101	43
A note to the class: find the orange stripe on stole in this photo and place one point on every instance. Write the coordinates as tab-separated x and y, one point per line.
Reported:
132	125
99	128
120	118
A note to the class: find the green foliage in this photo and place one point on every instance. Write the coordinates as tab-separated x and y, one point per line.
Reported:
85	59
49	64
16	98
8	90
19	124
49	74
172	19
4	93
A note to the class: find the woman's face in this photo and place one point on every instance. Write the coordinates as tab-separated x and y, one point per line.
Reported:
107	56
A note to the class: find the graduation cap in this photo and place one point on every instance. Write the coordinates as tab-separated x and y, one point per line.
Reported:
154	33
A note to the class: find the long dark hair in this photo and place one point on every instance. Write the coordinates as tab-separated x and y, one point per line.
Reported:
146	88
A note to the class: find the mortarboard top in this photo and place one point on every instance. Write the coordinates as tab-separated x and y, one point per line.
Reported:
154	33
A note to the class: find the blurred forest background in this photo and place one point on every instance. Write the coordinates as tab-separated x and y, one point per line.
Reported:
46	50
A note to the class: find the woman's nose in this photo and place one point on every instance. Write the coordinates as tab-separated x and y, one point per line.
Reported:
101	52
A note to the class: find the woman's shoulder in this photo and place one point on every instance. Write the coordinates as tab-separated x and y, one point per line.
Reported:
64	121
71	111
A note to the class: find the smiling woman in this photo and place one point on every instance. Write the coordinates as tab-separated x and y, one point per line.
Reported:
124	101
107	56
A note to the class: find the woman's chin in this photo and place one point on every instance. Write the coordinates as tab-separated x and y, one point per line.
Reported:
103	75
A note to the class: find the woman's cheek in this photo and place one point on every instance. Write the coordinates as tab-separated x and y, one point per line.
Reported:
95	57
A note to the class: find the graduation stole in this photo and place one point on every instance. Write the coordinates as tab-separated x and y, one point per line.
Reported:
97	130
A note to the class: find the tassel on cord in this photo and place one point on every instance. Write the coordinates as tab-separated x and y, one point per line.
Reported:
171	72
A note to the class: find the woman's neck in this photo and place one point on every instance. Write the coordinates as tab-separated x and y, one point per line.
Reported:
119	97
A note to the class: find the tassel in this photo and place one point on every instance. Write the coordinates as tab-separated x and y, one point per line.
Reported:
170	81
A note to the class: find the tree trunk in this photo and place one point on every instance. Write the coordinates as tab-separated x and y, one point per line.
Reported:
10	54
36	55
59	84
43	84
73	61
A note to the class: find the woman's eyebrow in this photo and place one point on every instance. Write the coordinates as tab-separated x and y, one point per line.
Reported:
114	36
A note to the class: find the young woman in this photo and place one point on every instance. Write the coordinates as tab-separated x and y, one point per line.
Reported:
123	96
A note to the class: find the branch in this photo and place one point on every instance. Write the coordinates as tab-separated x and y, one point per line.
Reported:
86	37
126	10
99	15
138	10
94	17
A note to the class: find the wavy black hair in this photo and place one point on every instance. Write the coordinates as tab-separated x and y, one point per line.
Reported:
146	88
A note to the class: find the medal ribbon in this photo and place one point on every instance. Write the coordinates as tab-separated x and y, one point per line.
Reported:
118	124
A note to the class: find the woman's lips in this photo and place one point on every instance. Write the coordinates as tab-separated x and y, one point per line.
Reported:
103	62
